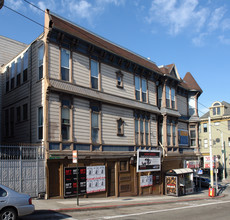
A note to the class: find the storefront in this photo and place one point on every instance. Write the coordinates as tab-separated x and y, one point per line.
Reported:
179	182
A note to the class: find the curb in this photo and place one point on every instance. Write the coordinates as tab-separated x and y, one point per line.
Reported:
129	205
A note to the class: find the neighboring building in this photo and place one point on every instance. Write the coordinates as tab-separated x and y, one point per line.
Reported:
8	50
73	90
219	114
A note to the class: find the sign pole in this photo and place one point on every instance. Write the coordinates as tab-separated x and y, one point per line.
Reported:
77	184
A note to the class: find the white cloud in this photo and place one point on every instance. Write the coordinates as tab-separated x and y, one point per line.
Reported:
224	40
15	4
216	18
200	39
225	24
177	15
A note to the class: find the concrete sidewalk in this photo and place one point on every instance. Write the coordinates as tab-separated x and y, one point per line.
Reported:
70	204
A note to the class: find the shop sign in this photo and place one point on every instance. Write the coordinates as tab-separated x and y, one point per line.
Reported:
146	180
207	161
95	179
148	160
193	164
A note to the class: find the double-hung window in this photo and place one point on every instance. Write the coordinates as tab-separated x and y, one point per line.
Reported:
65	119
146	132
173	98
137	131
174	132
25	111
7	122
95	123
137	88
120	127
18	112
167	97
19	66
119	77
7	80
142	131
12	75
40	61
65	64
205	127
144	90
159	89
25	66
12	122
40	123
168	133
205	143
94	74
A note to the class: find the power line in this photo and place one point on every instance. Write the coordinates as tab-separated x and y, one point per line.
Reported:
35	6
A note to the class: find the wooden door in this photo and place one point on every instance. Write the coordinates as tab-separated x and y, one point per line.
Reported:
111	179
54	179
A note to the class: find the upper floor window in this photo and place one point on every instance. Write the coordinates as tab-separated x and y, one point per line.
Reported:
25	66
159	89
40	123
65	64
120	127
216	111
19	69
18	112
174	132
65	119
192	135
167	97
12	75
229	141
140	89
137	131
7	80
144	90
119	76
192	105
25	111
229	125
205	143
205	127
40	61
95	122
168	133
94	74
173	98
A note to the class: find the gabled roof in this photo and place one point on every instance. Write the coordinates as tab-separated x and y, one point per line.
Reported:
170	70
226	110
190	83
75	30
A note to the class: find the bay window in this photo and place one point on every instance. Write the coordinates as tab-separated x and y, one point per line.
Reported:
40	61
40	123
137	88
172	98
144	90
167	97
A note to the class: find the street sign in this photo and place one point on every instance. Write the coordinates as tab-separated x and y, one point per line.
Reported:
74	156
200	172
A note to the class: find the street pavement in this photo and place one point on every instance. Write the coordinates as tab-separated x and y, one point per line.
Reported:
70	204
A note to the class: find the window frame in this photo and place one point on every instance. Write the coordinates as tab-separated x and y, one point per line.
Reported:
25	67
120	83
120	127
40	61
18	114
205	127
65	105
19	70
25	112
159	95
94	76
137	91
40	123
65	70
173	98
12	76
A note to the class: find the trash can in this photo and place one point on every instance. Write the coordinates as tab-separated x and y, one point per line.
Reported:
212	192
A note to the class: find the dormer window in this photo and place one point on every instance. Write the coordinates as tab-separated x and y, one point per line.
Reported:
216	109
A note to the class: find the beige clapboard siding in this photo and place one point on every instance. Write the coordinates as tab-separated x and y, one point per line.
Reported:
81	73
182	125
152	92
110	115
53	117
36	91
153	130
109	82
81	120
182	105
53	68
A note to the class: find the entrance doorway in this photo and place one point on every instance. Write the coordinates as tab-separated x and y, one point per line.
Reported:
111	179
54	179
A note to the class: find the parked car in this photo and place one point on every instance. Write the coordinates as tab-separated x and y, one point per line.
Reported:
14	204
205	182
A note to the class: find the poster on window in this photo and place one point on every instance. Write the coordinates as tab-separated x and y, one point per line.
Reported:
148	160
183	137
146	181
95	176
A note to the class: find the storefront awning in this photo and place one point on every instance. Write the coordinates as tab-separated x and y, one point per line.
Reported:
179	171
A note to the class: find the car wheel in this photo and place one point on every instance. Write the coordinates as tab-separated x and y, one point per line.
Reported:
8	214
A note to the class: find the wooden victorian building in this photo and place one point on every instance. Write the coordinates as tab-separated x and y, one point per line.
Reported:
77	91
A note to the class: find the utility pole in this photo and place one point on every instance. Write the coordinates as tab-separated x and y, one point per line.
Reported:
210	150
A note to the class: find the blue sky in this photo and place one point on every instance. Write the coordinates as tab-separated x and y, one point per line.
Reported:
193	34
